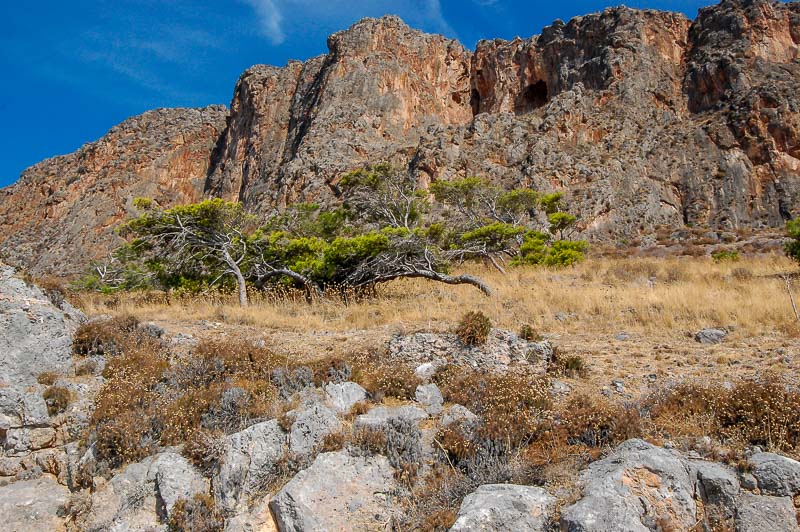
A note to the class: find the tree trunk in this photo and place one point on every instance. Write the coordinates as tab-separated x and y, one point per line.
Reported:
240	282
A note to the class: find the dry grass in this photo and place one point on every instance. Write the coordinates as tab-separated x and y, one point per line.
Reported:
636	294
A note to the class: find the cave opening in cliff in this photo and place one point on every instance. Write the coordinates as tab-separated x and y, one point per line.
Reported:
475	102
533	97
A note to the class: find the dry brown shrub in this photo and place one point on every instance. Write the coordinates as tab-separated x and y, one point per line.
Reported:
514	406
199	514
474	328
567	365
686	409
204	449
105	337
762	411
381	379
596	422
57	399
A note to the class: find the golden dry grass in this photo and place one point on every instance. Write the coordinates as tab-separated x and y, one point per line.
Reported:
600	295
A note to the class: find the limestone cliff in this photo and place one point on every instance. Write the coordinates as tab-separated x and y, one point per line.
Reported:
643	118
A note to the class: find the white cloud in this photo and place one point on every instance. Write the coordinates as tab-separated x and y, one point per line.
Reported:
270	19
276	17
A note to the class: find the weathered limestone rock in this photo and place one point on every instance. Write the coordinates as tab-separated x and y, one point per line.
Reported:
248	453
430	396
457	414
175	479
634	488
337	492
32	505
710	336
36	337
310	427
380	415
756	513
342	396
776	474
499	507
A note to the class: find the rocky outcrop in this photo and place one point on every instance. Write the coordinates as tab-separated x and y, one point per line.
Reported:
36	334
62	211
642	118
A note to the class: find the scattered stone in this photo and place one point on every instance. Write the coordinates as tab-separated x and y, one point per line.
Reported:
622	337
310	427
342	396
710	336
558	387
776	474
430	396
500	507
425	371
151	329
619	385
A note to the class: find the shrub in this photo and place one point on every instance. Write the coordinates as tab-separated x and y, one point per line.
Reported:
86	367
398	440
568	365
384	380
474	328
48	378
514	407
57	399
198	514
527	332
725	255
762	411
204	449
104	337
596	422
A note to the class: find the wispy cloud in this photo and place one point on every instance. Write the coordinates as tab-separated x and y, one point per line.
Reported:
270	19
276	18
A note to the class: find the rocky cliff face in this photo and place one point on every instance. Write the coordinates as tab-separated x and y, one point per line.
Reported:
62	211
643	118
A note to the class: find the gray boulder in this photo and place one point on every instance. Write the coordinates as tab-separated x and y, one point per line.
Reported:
24	440
776	474
175	479
37	335
343	395
710	336
430	396
457	414
337	492
32	505
632	489
500	507
247	455
310	427
718	487
757	513
380	415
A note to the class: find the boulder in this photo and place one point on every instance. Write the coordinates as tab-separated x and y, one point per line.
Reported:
337	492
380	415
457	414
633	489
24	440
500	507
430	396
247	454
776	474
175	479
32	505
710	336
343	395
757	513
310	428
718	487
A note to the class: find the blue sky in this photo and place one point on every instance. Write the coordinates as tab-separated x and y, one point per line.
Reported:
73	69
